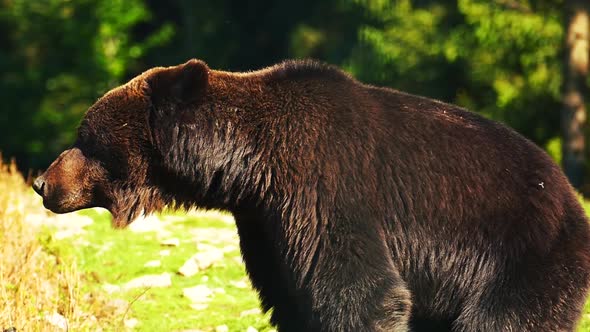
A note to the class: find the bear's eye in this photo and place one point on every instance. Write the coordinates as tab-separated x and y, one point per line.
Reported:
87	146
111	160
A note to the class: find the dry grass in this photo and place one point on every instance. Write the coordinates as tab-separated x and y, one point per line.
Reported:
37	278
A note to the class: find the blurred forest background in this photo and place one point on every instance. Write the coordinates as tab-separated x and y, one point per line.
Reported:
510	60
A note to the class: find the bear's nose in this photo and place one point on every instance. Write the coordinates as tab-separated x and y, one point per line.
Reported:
39	185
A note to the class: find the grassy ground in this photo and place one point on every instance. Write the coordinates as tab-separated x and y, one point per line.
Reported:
41	275
584	325
38	282
116	257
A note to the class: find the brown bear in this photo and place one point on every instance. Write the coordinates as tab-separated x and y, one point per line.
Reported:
359	208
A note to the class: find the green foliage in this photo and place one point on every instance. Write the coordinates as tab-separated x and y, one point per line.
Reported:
516	54
553	148
118	257
61	55
500	60
405	39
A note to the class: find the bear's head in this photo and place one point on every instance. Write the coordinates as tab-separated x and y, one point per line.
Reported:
116	161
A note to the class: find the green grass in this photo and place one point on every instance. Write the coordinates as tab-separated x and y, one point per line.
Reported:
117	256
584	324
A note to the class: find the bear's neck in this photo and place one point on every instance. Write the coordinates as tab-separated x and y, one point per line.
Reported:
247	151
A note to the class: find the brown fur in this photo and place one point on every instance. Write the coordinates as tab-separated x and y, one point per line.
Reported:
358	208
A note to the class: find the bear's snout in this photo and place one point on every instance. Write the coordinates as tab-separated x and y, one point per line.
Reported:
67	184
55	198
39	186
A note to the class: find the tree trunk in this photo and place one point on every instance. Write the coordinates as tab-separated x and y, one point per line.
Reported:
573	115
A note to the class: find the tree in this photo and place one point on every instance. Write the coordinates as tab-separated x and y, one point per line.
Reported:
573	114
57	57
500	58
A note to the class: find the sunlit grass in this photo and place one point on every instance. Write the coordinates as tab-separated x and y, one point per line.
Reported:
37	278
118	256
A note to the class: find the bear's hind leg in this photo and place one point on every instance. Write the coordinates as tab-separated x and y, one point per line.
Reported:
548	300
351	291
378	305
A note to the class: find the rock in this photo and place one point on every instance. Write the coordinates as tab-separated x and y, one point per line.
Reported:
251	329
174	219
80	242
199	306
204	247
216	215
189	268
218	236
200	261
173	242
254	311
149	223
131	323
117	306
229	248
150	280
65	225
239	284
154	263
110	288
198	294
144	224
58	321
66	221
66	233
222	328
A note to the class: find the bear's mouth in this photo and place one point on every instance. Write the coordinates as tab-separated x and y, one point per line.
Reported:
58	207
65	204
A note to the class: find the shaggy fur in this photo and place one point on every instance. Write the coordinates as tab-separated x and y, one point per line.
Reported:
358	208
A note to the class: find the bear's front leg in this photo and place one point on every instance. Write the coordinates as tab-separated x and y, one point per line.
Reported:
265	272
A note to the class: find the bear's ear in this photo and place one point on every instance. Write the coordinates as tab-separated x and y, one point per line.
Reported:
182	84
